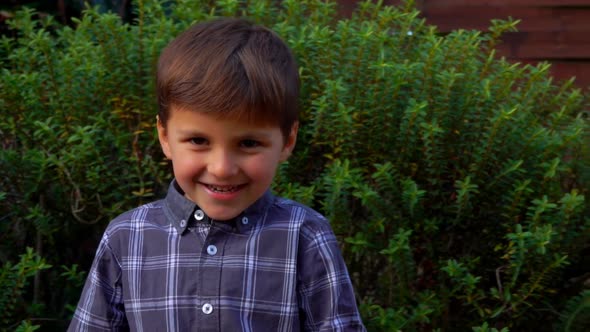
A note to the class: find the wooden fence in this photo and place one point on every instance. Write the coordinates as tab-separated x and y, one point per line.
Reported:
557	31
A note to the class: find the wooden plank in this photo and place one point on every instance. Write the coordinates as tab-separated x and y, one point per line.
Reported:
532	19
551	45
545	51
579	69
560	37
510	3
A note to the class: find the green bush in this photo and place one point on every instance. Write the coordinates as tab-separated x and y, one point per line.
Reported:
13	280
456	181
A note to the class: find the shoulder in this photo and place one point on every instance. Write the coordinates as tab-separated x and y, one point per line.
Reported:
143	218
297	210
147	213
311	223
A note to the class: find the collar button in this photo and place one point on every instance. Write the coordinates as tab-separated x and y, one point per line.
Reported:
199	215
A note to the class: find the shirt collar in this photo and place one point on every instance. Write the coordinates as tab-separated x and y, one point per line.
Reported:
180	210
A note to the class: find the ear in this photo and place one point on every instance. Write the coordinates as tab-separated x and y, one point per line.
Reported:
163	138
290	142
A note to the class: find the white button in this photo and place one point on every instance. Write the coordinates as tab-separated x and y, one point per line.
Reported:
199	214
211	250
245	220
207	308
182	223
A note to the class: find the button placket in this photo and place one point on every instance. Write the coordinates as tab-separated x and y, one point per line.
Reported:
209	276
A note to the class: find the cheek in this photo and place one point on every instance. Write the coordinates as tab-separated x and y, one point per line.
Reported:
186	165
261	168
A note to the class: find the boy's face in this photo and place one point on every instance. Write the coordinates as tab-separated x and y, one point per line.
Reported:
223	165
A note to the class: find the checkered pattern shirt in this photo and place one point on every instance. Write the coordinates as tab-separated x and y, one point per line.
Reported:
166	266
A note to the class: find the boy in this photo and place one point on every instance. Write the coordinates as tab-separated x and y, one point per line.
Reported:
220	252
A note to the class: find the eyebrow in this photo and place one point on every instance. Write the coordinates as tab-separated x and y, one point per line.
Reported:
258	135
190	132
262	134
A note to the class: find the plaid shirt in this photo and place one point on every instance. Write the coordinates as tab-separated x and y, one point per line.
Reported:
166	266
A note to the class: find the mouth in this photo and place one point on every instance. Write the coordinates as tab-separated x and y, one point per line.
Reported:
223	189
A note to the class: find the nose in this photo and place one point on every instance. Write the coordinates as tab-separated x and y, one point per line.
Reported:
222	164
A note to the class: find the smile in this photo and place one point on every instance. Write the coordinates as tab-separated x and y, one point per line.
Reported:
223	189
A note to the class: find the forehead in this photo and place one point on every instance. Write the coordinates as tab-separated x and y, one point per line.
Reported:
246	115
189	120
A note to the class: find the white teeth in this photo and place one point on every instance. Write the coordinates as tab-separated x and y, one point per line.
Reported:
225	189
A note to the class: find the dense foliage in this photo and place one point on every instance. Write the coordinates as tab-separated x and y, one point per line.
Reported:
457	182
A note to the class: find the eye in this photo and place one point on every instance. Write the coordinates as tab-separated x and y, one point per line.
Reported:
198	141
249	143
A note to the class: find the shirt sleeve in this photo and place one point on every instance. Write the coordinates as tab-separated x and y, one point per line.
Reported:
325	292
101	303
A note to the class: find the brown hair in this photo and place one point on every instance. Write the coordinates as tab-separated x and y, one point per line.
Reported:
232	68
